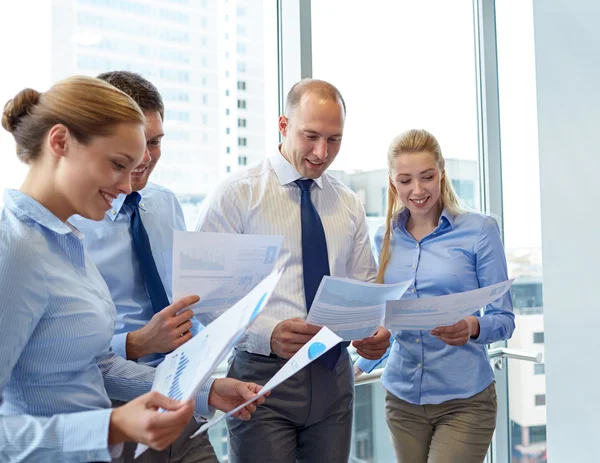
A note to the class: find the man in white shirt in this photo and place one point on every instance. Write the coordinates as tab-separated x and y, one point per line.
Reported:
309	417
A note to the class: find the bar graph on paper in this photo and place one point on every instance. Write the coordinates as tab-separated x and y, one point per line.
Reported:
175	389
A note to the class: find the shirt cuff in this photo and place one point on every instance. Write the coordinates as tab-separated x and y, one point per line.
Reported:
367	366
119	344
203	411
258	340
86	436
485	328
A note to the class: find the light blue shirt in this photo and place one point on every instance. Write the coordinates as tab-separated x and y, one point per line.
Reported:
57	318
110	246
464	252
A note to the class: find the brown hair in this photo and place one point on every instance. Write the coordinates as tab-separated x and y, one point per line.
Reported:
88	107
319	87
412	141
143	92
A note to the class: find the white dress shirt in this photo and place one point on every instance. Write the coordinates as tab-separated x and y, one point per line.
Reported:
264	200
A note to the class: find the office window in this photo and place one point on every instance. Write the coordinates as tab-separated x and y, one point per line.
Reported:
538	337
242	160
226	92
228	150
227	111
241	67
241	122
241	85
539	369
242	141
241	104
227	130
228	169
540	399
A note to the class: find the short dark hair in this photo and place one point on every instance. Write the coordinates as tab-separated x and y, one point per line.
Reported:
141	90
321	88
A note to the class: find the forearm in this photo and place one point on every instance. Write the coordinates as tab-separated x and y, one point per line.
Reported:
74	437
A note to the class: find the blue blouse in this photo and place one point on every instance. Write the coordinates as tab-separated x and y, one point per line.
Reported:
464	252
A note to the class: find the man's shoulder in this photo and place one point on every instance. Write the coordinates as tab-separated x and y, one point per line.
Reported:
341	189
247	176
156	190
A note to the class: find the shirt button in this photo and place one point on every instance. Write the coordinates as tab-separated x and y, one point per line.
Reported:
418	340
414	266
412	290
417	246
142	204
419	365
113	212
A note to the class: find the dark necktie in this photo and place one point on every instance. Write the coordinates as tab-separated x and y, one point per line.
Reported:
315	261
141	244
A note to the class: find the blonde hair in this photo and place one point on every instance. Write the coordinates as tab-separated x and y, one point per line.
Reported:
412	141
88	107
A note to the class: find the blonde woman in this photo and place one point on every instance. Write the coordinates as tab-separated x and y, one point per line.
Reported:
441	399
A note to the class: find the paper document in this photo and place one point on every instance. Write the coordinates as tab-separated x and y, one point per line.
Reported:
352	309
185	370
321	342
430	312
220	267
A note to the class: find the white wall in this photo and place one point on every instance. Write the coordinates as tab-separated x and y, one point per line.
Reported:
567	38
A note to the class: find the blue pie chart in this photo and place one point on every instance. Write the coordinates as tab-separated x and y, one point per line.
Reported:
315	349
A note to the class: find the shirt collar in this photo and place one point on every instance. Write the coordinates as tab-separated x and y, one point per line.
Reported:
118	202
286	173
25	207
447	218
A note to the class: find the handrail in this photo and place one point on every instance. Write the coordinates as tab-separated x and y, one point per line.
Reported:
517	354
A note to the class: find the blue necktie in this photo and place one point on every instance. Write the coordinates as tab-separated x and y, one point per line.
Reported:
141	244
315	260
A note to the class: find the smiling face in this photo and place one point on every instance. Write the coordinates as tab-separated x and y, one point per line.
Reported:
154	134
89	176
312	134
417	179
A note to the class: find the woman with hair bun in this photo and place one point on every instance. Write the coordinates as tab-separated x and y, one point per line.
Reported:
81	140
441	399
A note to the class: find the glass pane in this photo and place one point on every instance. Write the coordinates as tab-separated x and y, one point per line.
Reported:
522	226
214	62
407	65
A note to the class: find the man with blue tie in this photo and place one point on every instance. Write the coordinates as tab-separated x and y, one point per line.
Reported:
308	419
132	248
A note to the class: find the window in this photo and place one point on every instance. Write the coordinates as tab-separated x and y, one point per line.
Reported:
115	35
228	169
241	104
241	85
242	141
241	122
444	103
242	160
521	215
539	369
540	399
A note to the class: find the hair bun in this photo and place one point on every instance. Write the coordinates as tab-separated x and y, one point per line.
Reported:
21	105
